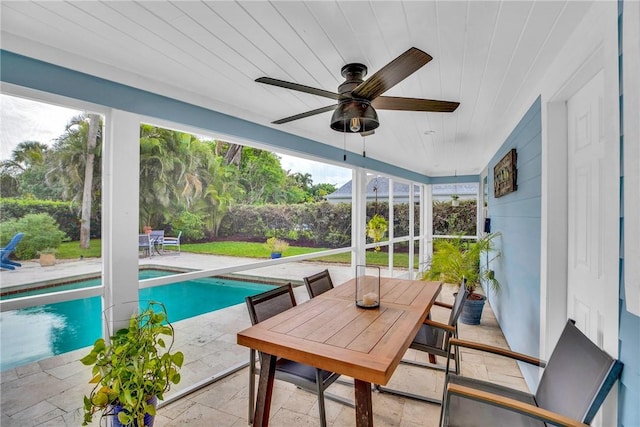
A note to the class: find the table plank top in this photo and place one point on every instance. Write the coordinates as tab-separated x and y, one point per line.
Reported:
332	333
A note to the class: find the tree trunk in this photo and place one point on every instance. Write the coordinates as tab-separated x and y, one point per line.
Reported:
85	220
234	154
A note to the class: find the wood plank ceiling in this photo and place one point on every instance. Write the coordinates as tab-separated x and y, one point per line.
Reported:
488	55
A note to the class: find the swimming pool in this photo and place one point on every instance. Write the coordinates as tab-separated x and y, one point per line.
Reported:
35	333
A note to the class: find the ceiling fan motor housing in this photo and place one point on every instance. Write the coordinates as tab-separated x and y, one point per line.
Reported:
353	115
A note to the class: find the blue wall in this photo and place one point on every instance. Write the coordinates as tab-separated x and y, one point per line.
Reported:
629	395
517	217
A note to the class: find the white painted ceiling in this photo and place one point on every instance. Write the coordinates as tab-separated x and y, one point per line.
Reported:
488	55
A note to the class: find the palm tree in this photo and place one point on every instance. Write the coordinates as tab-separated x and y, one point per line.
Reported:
158	166
85	218
27	159
27	154
76	166
222	190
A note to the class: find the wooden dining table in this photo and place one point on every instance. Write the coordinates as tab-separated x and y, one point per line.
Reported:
332	333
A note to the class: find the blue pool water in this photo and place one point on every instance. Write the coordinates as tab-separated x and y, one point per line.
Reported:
35	333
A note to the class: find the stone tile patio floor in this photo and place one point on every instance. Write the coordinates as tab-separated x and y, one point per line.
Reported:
49	392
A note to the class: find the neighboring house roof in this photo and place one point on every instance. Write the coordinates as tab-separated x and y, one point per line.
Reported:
401	191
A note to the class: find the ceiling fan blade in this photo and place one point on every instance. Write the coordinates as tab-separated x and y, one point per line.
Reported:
413	104
391	74
307	114
296	86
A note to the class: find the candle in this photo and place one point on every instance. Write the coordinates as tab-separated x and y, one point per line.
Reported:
370	299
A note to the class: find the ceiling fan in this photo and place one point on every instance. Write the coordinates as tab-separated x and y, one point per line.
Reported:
358	99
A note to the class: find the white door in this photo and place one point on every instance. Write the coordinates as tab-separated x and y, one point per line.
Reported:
593	209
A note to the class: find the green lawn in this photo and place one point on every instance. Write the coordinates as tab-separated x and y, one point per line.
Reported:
71	250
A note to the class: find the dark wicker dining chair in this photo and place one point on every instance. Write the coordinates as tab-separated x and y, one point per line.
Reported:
318	283
263	306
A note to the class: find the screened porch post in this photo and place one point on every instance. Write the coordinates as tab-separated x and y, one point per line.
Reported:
120	207
412	203
427	210
358	216
390	231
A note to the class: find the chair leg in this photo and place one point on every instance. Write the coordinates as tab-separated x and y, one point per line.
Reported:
320	388
252	384
7	266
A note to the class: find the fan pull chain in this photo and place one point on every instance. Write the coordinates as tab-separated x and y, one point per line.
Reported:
364	140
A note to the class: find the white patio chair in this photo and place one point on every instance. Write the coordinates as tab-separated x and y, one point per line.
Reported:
171	241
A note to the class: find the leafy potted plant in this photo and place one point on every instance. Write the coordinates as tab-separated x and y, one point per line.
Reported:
455	200
47	257
276	246
455	261
133	370
376	229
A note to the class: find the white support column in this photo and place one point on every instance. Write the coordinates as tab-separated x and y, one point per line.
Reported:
358	216
427	209
480	211
120	206
391	231
411	230
422	250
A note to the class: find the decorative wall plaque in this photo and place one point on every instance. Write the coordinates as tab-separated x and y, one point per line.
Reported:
505	174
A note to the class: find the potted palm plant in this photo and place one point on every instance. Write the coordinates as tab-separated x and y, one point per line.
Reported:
455	261
133	370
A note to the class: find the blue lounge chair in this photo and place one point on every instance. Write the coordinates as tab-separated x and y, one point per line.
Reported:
5	252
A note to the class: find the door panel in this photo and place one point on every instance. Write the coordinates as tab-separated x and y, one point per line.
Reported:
593	220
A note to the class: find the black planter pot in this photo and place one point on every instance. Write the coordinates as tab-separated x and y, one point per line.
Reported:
472	309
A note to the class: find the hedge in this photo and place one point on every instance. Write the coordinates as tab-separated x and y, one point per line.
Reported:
65	213
318	224
329	225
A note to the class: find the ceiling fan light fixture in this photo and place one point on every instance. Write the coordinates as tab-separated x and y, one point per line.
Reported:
353	116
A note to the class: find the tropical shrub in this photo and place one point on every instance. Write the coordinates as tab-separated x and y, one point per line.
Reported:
40	232
191	225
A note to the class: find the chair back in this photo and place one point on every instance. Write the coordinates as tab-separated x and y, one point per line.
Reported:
318	283
144	243
11	246
578	376
268	304
157	236
461	297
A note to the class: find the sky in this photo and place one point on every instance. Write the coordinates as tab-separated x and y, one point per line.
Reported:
25	120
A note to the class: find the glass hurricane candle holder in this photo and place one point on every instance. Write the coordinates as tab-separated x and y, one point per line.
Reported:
367	287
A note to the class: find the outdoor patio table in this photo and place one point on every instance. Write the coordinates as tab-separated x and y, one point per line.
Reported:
331	333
